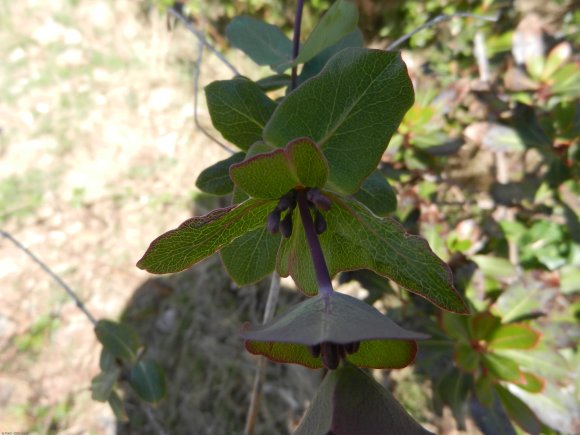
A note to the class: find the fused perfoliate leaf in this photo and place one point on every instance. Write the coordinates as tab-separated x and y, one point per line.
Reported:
349	401
251	257
340	20
239	110
357	239
200	237
264	43
271	175
148	381
120	340
351	109
216	179
377	194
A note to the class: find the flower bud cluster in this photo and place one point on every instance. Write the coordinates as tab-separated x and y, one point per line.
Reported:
332	353
283	224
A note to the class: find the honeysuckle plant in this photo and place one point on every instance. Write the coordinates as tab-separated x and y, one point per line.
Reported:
308	202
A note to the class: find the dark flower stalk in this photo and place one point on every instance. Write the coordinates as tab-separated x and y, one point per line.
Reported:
322	274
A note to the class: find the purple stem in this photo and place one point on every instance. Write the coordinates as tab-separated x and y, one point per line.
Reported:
322	275
296	42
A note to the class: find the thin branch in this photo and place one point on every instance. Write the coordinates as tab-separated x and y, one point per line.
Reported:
201	37
53	275
434	22
196	73
271	303
296	42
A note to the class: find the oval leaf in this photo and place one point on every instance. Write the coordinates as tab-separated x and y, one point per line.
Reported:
532	383
239	110
483	325
216	180
514	337
502	368
519	411
357	239
120	340
466	357
102	384
200	237
271	175
377	194
351	402
148	381
118	407
264	43
352	107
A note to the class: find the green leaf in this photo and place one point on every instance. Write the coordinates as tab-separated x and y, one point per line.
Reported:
519	411
484	390
517	301
357	239
532	383
494	266
121	340
276	81
456	326
264	43
251	257
376	354
377	194
349	401
216	179
453	389
272	175
118	407
466	357
106	360
502	368
148	381
544	362
340	20
483	325
102	385
351	108
239	110
315	65
514	337
200	237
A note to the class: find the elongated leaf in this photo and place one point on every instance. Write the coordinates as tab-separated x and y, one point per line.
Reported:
106	360
264	43
239	110
315	65
251	257
484	390
377	194
532	383
200	237
351	108
466	357
340	20
514	337
544	362
494	266
271	83
502	368
118	407
519	411
483	325
351	402
456	326
376	354
357	239
453	389
271	175
120	340
102	385
148	381
216	179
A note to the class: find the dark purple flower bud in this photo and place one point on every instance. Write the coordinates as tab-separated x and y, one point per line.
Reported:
319	222
330	357
312	193
273	224
286	225
352	347
322	202
288	201
314	350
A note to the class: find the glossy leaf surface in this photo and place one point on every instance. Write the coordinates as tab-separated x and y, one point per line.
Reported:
251	257
239	110
264	43
514	336
351	108
271	175
351	402
357	239
216	179
199	237
120	340
148	381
